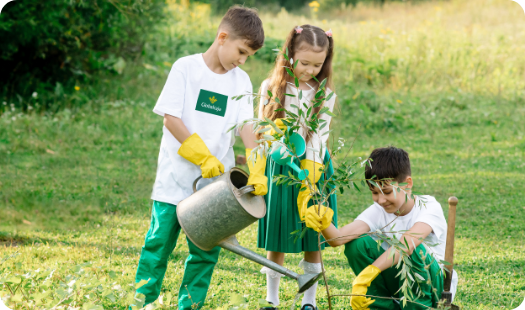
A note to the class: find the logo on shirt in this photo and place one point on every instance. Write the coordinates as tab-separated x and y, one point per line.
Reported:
210	102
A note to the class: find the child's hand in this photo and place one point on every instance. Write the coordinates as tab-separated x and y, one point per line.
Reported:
318	220
195	151
314	174
280	125
257	177
360	287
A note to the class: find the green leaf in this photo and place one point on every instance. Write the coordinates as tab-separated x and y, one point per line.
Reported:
141	283
237	299
296	82
323	83
300	94
264	129
90	306
295	232
329	96
305	229
14	280
16	298
290	72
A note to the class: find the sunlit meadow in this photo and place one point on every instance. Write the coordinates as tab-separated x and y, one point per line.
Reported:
444	80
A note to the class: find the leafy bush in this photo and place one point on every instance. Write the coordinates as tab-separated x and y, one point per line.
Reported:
50	46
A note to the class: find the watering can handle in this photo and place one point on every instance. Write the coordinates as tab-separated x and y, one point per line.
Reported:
245	190
242	191
195	183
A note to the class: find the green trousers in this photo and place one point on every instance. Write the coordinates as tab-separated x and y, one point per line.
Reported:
364	251
160	242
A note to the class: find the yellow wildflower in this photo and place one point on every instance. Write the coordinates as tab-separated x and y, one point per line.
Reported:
314	4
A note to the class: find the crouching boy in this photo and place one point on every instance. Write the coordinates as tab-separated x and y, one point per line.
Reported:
197	105
419	219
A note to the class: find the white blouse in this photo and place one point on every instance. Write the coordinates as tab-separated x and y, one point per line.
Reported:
308	95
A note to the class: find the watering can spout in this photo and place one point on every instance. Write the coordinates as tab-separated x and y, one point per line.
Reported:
280	156
305	281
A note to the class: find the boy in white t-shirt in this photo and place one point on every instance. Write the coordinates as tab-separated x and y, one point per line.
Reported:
420	218
197	106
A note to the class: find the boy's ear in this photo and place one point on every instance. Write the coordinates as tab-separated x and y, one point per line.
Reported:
222	36
409	182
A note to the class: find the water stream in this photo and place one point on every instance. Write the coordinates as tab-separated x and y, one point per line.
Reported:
292	307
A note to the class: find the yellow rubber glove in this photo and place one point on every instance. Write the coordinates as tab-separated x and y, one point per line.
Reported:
305	195
360	287
317	219
257	177
280	125
195	151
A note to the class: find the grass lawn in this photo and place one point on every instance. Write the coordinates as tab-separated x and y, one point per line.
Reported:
75	186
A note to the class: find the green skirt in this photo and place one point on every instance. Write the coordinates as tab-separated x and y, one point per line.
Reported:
282	214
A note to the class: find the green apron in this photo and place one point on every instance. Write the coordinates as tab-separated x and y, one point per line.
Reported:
364	251
160	242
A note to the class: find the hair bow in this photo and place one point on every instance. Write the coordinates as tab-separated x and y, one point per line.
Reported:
298	30
329	33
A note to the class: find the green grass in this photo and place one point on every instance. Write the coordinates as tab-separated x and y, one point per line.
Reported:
75	188
75	185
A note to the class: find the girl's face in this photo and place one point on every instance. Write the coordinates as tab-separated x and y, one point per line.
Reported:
310	63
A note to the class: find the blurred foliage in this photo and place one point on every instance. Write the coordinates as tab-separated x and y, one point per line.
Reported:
50	47
220	6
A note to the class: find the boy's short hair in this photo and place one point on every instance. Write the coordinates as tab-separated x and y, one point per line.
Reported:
244	23
389	163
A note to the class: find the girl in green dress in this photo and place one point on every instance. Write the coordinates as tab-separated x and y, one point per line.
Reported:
312	47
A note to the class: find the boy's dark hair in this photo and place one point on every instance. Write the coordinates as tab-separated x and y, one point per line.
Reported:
389	163
244	23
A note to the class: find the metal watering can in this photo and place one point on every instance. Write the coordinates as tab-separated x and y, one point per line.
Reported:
295	141
213	215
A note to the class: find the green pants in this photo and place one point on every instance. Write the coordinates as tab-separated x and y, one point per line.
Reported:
160	242
364	251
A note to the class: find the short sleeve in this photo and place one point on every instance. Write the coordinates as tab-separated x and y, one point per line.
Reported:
246	103
369	216
171	99
321	137
432	214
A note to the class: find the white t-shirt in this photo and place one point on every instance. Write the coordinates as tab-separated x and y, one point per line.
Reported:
308	96
426	210
201	98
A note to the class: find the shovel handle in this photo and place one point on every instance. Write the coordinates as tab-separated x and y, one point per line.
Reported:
449	250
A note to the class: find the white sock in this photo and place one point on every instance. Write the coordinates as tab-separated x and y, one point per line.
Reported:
272	280
309	294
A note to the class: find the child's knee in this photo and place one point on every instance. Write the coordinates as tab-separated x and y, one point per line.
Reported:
360	246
